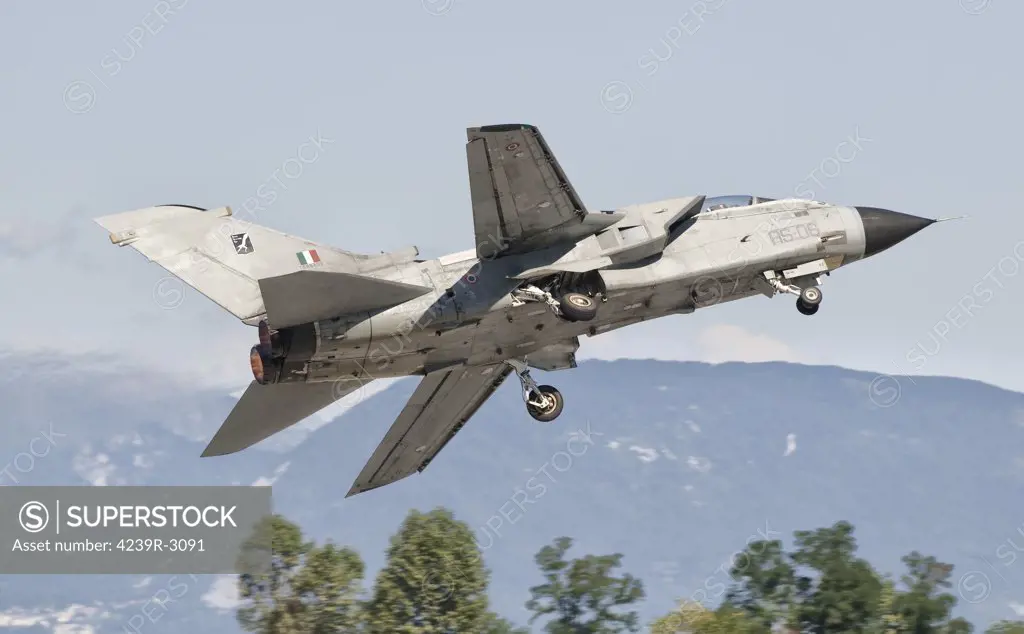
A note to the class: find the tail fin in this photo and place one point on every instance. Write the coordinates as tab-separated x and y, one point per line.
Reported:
224	258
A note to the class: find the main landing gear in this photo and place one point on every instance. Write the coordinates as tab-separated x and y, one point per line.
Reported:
543	402
808	299
571	306
578	307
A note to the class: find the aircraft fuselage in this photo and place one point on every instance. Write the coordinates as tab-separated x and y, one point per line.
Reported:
720	255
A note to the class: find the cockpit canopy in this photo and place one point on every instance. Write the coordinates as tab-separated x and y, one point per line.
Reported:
713	203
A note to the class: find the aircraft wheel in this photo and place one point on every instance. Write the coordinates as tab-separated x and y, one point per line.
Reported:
806	309
553	403
811	296
578	307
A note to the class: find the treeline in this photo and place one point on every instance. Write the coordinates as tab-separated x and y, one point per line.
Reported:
435	582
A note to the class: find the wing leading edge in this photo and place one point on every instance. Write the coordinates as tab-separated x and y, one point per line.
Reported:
441	405
522	200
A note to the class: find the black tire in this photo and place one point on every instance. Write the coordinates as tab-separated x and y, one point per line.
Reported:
550	413
578	307
811	296
805	309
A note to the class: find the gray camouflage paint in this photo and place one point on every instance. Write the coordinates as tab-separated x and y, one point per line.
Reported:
458	320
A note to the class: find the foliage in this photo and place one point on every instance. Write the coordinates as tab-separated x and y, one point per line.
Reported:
494	624
435	582
309	589
822	587
693	618
835	592
886	620
766	585
581	595
434	579
923	606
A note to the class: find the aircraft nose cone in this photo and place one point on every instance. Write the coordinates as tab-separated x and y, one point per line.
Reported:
884	228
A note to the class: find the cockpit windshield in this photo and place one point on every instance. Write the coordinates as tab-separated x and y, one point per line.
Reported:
723	202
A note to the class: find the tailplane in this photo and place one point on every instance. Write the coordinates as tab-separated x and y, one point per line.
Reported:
225	258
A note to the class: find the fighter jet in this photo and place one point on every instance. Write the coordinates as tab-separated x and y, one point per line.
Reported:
545	271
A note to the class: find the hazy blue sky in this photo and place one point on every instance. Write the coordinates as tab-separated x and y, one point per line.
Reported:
639	101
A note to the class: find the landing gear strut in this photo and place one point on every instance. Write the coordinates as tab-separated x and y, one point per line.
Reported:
543	402
808	300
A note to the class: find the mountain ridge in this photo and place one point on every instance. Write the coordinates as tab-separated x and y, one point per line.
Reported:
685	462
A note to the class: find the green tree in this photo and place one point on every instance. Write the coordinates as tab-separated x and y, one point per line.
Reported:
582	595
494	624
434	581
765	583
923	606
886	620
693	618
823	587
308	589
840	592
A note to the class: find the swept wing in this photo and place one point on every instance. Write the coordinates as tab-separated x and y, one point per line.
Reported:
437	410
522	200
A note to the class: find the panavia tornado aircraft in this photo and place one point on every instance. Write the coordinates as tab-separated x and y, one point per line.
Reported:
545	270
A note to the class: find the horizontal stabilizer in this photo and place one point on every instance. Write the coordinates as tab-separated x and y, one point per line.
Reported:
307	296
265	410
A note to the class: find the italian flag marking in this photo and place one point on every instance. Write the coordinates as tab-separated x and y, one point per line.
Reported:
308	257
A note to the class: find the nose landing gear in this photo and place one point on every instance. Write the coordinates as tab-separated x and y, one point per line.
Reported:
809	300
543	402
